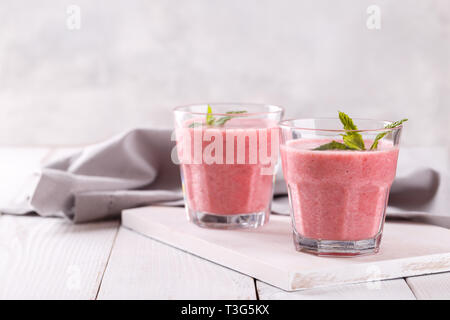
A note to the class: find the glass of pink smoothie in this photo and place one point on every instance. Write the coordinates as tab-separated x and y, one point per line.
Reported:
228	157
338	198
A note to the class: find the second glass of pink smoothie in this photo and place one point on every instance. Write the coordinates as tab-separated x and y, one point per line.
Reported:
338	198
228	153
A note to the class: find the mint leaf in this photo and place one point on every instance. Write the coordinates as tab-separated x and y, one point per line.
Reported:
333	145
347	121
395	124
353	140
195	125
383	134
210	119
223	120
236	112
352	143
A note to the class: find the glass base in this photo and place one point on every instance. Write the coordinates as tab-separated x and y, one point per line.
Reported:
233	221
337	247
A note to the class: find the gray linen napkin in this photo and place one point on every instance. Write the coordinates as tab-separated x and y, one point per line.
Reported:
130	170
135	169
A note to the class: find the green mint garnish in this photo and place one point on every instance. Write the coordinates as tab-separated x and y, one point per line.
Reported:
195	125
353	140
382	135
212	121
333	145
221	121
236	112
209	117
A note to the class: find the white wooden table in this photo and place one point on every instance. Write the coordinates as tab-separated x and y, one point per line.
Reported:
47	258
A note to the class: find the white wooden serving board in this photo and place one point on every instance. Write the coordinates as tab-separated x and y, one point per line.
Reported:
268	253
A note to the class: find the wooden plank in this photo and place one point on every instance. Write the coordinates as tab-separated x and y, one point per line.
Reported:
51	258
142	268
396	289
268	254
433	286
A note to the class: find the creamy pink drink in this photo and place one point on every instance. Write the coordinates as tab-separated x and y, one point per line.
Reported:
338	181
228	170
235	188
338	195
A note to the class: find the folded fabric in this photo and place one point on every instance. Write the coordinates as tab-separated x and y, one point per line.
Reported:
130	170
136	169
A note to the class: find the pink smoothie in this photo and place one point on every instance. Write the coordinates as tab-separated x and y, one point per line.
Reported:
228	189
338	195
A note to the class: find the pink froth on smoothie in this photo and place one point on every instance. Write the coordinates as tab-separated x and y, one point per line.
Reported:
338	195
234	183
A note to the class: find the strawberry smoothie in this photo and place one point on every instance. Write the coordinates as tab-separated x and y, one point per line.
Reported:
336	194
236	176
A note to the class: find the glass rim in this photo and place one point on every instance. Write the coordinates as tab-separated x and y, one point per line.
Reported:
284	124
182	108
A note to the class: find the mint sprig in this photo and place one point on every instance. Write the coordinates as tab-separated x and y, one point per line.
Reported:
333	145
383	134
195	125
353	140
223	120
212	121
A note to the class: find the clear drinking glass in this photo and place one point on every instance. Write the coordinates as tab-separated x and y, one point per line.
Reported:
338	198
228	159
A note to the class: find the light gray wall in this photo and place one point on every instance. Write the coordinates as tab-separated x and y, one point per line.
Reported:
132	61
